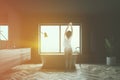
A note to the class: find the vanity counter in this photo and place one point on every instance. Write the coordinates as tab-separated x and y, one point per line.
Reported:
13	57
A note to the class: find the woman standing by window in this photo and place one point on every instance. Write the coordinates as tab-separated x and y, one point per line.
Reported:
67	46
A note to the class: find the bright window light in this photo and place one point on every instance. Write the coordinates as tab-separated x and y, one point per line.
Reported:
54	41
3	32
50	43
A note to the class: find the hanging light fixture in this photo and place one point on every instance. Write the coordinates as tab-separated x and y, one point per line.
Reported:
44	34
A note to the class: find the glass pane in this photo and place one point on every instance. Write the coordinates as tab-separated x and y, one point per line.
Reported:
75	42
3	32
50	43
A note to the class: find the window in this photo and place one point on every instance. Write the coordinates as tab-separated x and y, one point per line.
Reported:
50	43
54	41
3	32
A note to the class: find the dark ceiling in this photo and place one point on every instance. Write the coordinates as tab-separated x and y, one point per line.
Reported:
65	6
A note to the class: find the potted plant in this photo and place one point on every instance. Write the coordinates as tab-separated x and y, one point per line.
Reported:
109	46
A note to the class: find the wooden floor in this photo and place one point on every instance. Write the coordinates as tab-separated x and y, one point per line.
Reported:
82	72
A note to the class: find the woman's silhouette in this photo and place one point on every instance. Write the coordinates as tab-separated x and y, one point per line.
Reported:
67	46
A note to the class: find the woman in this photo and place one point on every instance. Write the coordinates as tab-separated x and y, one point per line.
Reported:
67	46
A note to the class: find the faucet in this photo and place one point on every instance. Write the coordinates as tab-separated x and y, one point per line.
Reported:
77	47
77	50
